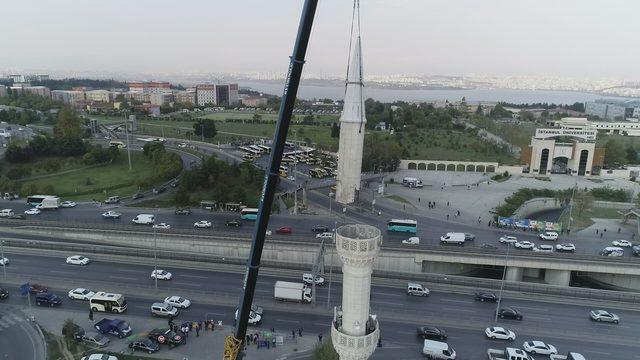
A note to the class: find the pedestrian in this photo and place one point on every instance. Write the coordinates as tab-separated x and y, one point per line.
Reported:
320	337
633	235
458	212
91	314
596	231
300	332
404	207
273	330
197	330
601	235
618	230
605	230
248	339
447	217
293	334
273	341
418	199
447	203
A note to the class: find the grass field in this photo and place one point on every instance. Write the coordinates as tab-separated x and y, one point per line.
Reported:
624	140
584	220
268	117
104	181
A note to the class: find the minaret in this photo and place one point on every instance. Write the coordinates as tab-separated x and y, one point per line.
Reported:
355	332
352	123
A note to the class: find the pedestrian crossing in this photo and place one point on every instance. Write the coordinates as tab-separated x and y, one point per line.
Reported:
8	319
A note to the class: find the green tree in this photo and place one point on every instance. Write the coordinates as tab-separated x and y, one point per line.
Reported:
583	200
206	127
614	154
68	124
325	351
335	130
308	119
479	110
632	155
257	117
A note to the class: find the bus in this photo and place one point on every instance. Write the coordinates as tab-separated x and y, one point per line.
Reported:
44	201
118	144
283	173
108	302
316	173
248	157
405	225
250	151
256	148
249	214
265	149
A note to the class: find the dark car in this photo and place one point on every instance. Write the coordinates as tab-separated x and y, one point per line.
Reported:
636	250
284	230
160	190
144	344
3	294
17	217
469	237
48	299
509	313
76	332
183	211
431	332
486	296
137	196
37	289
233	223
320	229
165	336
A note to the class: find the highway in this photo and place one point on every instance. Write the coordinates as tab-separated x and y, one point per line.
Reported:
565	325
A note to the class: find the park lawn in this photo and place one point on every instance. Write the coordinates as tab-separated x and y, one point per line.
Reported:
584	220
37	168
107	119
106	180
625	141
517	134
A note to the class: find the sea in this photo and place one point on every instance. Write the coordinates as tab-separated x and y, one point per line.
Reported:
309	92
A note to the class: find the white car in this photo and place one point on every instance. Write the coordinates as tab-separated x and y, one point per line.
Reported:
524	245
111	215
4	261
325	235
621	243
549	235
33	211
604	315
566	247
499	333
161	274
414	240
67	204
508	239
99	357
78	260
308	279
539	347
81	294
543	248
182	145
202	224
162	226
178	301
254	318
291	178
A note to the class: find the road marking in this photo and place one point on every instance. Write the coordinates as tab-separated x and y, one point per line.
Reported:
122	278
262	291
133	271
195	276
532	308
388	294
455	301
385	302
458	309
61	272
539	317
406	332
186	283
599	352
289	321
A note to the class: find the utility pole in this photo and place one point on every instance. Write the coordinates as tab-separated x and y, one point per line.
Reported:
4	266
504	273
155	258
126	129
335	226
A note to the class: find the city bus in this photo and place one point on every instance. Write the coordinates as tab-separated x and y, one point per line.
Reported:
117	143
250	151
265	149
249	214
44	201
256	148
108	302
405	225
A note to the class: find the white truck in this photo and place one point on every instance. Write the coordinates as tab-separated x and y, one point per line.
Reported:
49	202
508	354
290	291
438	350
453	238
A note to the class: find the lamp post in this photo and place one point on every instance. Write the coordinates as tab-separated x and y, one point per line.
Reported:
330	201
155	258
504	273
4	266
335	226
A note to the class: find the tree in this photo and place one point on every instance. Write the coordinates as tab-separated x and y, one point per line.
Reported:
257	117
206	126
335	130
325	351
614	154
68	124
632	155
583	200
308	119
479	110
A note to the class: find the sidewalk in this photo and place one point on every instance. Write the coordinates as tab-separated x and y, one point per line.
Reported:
208	345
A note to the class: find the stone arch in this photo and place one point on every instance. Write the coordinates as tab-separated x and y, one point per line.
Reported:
441	167
491	169
480	168
471	168
422	166
411	166
451	167
460	167
431	166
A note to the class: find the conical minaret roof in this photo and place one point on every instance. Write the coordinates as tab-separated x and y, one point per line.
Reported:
353	110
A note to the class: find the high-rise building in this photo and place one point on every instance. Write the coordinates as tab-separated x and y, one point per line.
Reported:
206	94
609	110
217	94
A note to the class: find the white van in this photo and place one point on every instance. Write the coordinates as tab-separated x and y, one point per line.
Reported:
438	350
453	238
6	212
613	251
416	289
163	309
144	219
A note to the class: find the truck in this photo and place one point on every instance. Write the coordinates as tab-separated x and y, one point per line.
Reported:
453	238
290	291
117	327
508	354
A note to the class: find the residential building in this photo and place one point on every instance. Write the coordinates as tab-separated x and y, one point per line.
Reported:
161	99
185	97
206	94
71	97
3	90
217	94
151	87
17	78
25	88
99	96
138	96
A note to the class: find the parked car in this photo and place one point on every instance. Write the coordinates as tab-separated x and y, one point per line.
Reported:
163	309
509	313
67	204
81	294
4	261
78	260
144	344
235	223
95	339
621	243
548	235
486	296
568	247
527	245
48	299
604	316
165	336
284	230
202	224
508	239
319	228
3	294
636	250
161	274
177	301
499	333
111	215
539	347
183	211
431	332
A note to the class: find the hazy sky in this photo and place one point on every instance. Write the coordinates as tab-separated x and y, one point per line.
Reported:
582	38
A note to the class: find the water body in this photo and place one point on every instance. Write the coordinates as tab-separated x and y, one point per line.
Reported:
309	92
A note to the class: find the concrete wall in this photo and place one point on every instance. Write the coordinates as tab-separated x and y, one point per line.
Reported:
536	205
513	170
622	282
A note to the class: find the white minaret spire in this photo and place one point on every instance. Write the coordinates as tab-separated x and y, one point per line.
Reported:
352	121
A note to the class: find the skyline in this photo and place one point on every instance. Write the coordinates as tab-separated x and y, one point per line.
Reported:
578	39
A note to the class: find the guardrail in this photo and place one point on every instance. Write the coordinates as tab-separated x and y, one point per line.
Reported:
440	279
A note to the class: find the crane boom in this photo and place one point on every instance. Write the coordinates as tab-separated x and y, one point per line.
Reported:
233	344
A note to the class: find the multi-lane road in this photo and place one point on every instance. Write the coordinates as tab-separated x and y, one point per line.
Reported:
565	324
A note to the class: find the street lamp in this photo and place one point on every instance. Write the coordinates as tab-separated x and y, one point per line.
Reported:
504	273
4	266
335	227
155	258
331	194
